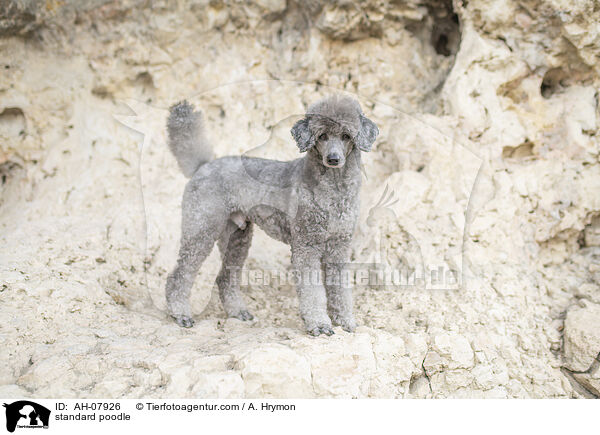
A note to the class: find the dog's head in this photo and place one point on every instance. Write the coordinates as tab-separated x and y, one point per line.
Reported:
332	128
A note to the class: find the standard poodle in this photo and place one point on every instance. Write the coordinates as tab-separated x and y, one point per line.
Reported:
310	203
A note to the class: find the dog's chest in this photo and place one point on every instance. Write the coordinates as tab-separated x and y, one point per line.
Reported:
328	212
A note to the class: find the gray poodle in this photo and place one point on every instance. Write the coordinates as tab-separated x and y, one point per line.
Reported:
310	203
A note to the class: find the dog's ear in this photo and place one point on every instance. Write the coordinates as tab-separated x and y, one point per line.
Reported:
302	135
367	134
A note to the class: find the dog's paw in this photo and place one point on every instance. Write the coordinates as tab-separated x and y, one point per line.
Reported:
345	320
322	329
243	315
184	321
348	324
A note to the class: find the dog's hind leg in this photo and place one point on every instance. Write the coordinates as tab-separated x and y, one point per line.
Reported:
200	230
234	244
192	253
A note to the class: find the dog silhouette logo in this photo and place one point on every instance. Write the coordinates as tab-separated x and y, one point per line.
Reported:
26	414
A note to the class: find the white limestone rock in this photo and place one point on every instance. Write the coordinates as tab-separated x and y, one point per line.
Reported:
582	337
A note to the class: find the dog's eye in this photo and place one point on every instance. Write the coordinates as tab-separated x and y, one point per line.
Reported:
346	137
323	136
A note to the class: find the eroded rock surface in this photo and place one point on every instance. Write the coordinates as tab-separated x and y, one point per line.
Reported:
488	112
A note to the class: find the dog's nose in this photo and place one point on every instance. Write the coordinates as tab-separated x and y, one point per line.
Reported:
333	159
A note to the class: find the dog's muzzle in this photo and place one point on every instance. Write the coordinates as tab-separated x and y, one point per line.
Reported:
333	154
333	159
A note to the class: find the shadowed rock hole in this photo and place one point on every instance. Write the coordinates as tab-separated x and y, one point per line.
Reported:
145	82
590	235
520	152
554	81
101	92
12	122
5	170
445	33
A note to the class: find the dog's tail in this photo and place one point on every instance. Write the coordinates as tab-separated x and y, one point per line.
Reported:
187	140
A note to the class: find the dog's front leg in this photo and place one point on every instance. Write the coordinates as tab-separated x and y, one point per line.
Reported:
311	292
339	289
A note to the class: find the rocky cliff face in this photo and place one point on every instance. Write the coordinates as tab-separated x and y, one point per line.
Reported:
488	112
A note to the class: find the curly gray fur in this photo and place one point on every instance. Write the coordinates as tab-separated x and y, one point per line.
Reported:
186	138
310	203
